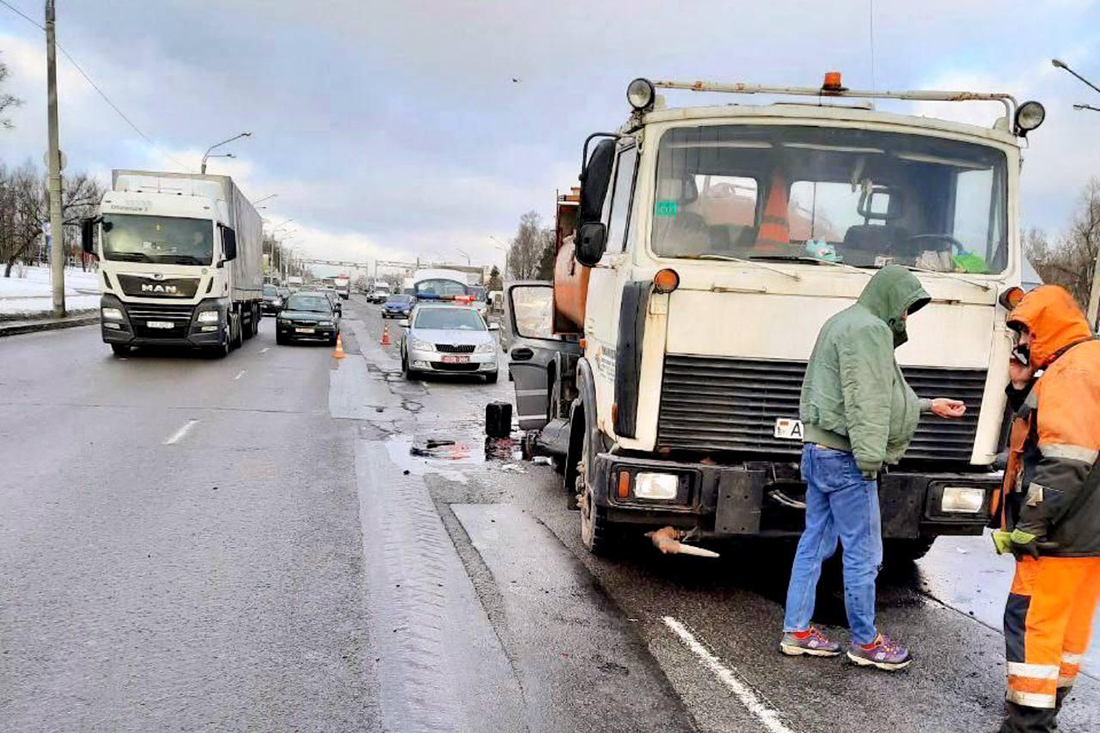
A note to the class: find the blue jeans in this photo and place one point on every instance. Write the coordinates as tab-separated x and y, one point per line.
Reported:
840	504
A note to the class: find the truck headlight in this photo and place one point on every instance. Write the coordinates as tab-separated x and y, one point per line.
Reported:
962	499
421	345
209	317
656	485
112	314
486	348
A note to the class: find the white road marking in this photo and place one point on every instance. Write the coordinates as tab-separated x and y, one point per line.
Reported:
264	349
748	697
243	372
179	434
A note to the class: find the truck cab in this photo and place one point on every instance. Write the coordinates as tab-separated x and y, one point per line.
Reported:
702	254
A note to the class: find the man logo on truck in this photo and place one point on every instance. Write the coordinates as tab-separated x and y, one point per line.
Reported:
159	288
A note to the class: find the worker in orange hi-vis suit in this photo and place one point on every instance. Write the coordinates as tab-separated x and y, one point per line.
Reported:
1050	505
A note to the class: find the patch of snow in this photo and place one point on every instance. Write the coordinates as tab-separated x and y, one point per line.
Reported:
28	291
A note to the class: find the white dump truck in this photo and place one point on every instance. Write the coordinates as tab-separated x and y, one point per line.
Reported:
180	262
699	259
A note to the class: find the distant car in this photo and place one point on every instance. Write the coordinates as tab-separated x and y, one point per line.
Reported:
273	300
378	295
333	298
398	306
448	339
307	315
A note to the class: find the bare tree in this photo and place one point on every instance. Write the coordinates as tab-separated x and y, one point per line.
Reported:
26	209
494	283
7	101
531	255
1071	261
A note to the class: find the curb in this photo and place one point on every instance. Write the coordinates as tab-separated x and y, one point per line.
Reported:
18	327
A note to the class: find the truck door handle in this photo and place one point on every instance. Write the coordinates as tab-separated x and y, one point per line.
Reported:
522	353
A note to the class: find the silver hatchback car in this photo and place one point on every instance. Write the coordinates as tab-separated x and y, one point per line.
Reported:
448	339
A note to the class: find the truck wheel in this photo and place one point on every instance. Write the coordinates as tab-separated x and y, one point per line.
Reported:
903	552
238	338
596	532
120	349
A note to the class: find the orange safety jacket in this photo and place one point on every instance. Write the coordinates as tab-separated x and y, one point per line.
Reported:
1050	487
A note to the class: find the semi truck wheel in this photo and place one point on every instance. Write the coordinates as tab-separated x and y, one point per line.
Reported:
238	335
596	531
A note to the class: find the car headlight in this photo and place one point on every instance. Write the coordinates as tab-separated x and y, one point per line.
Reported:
112	314
209	317
486	348
962	499
656	486
421	345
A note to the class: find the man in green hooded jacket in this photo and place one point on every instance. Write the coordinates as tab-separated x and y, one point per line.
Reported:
858	414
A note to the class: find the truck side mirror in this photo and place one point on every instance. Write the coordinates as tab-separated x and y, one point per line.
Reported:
229	244
87	235
595	179
591	242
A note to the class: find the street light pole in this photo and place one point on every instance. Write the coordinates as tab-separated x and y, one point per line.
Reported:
218	145
57	233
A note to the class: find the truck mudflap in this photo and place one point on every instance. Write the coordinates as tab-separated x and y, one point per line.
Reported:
767	499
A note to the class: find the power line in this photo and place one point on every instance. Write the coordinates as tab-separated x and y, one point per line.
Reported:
95	86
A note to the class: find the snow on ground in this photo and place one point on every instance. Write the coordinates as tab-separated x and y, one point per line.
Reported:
32	295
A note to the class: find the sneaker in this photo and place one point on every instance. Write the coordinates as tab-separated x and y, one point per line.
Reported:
813	643
883	654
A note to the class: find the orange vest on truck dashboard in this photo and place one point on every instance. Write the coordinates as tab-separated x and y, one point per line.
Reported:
775	229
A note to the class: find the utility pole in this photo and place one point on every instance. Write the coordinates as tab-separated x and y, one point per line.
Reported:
57	232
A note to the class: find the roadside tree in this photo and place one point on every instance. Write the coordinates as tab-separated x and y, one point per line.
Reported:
1071	260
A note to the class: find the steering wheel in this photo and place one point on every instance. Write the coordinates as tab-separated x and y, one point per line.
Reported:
939	237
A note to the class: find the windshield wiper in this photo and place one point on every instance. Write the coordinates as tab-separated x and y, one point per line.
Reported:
180	260
740	261
128	257
954	275
807	258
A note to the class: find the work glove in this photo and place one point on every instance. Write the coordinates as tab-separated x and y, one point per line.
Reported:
1020	542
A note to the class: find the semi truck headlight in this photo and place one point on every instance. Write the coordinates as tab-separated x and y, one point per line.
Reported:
112	314
962	499
208	317
656	486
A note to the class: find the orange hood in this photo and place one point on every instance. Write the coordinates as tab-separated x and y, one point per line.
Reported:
1055	321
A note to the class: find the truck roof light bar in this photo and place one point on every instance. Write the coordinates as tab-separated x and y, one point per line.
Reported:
1007	100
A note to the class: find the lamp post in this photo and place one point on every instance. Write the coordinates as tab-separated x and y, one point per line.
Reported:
218	145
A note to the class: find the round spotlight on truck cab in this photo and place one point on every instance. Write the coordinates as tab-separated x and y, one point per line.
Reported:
641	95
665	281
1029	116
1011	298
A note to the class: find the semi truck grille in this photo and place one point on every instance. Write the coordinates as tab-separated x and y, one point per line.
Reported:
722	404
455	348
147	287
178	315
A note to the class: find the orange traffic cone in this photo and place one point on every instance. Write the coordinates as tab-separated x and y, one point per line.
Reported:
385	335
339	353
775	235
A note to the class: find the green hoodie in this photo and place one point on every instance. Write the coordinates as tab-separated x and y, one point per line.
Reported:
855	397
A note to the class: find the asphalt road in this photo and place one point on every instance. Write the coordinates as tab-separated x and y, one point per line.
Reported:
259	543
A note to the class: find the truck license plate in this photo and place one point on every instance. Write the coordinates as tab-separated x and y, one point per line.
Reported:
788	429
160	324
304	330
456	360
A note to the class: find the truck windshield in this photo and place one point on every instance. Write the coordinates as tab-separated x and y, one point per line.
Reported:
167	240
861	197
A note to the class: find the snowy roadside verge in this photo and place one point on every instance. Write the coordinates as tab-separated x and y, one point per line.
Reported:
27	294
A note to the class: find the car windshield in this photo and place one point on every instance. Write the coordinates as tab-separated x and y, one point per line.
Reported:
449	319
308	302
270	290
162	239
855	196
399	299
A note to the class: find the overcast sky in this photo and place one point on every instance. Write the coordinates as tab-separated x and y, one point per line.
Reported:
395	128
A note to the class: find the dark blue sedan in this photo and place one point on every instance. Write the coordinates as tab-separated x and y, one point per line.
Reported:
398	306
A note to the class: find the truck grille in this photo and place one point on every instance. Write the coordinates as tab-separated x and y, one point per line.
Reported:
722	404
455	348
147	287
178	315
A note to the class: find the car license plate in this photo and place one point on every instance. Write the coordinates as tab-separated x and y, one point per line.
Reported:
788	429
160	324
304	330
456	360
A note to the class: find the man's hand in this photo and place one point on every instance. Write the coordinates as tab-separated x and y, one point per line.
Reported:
1019	374
945	407
1020	542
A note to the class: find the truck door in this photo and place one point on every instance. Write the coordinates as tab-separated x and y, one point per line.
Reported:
528	318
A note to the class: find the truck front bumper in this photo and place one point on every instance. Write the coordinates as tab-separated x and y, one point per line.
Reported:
134	327
766	499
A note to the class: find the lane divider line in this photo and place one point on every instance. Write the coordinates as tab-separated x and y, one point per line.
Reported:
179	434
243	372
763	712
264	349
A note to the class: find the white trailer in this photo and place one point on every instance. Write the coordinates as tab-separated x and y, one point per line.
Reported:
181	257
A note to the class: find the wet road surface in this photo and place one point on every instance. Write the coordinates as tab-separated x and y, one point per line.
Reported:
271	542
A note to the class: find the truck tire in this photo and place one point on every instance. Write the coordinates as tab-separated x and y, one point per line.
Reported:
597	533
